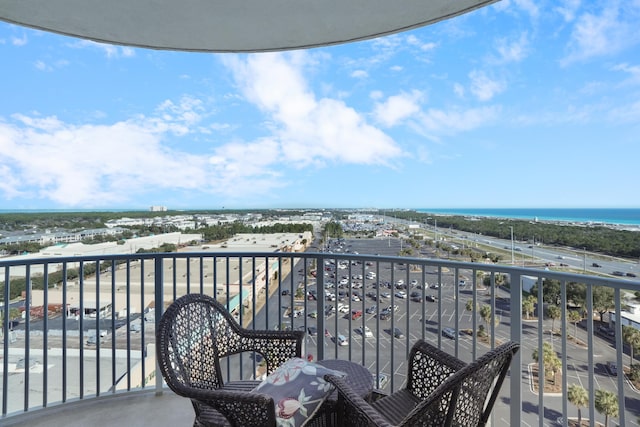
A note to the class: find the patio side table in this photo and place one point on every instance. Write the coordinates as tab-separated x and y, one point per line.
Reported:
357	375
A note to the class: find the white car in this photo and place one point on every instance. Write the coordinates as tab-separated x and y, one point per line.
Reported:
365	333
342	340
401	294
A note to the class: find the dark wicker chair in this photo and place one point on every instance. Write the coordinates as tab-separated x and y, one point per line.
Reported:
193	335
441	390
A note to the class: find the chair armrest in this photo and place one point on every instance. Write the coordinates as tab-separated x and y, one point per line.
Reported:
275	346
239	407
353	410
429	367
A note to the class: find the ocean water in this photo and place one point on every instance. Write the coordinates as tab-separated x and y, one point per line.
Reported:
627	216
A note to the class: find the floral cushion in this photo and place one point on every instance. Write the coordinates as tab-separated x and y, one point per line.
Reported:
298	390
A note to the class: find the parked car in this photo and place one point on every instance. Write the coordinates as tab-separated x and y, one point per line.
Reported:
397	332
401	294
431	298
356	314
612	368
342	340
313	331
372	310
365	332
449	333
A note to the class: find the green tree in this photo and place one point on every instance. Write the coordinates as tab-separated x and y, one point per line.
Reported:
550	360
607	404
577	294
631	336
485	314
578	397
554	313
602	300
574	316
550	291
529	305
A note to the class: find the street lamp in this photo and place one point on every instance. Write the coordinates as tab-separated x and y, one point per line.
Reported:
512	257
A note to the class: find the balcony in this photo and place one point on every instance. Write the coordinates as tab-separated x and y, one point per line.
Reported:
93	348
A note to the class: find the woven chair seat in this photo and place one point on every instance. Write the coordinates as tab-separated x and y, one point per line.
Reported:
441	391
396	406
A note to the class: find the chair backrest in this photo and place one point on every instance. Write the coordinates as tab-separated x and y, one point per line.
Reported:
466	398
192	335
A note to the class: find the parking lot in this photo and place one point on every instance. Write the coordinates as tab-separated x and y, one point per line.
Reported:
377	311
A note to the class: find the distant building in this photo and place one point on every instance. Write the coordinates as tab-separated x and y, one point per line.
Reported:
158	209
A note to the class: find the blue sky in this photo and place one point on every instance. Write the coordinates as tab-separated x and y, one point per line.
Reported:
520	104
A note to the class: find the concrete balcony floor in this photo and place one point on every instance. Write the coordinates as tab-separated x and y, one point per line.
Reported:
131	410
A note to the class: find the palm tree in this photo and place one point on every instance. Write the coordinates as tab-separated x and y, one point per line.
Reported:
607	404
578	396
550	360
574	316
529	305
632	337
554	312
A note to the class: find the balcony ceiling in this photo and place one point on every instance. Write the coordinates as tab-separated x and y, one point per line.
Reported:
230	25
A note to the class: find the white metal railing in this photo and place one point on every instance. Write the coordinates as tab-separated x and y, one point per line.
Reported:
89	335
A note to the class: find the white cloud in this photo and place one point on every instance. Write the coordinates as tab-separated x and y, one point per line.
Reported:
483	87
307	130
359	74
435	122
604	34
397	108
528	6
376	94
512	50
458	89
42	66
412	40
90	165
632	70
19	41
568	9
109	50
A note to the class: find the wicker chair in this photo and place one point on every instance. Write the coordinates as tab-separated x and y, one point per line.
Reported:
193	335
441	390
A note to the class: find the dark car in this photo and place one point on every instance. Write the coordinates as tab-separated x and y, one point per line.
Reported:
431	298
398	333
595	264
631	274
618	273
612	368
